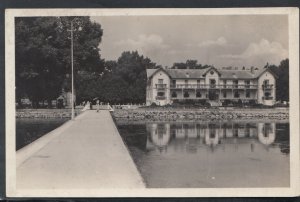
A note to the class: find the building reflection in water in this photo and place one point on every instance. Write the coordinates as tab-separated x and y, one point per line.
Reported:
190	137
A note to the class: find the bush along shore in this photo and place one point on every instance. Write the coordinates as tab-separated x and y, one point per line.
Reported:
45	113
201	114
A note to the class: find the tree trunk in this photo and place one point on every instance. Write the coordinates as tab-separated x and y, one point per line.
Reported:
49	103
20	105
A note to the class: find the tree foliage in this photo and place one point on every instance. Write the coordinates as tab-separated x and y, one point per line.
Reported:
43	56
189	64
122	81
282	80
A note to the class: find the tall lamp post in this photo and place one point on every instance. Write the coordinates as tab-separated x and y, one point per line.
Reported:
72	69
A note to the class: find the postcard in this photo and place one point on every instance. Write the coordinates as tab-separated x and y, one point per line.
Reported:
152	102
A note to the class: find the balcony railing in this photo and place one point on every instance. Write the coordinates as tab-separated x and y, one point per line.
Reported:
161	86
268	86
267	98
160	97
212	86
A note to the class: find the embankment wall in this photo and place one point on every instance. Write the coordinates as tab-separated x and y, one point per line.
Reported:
45	113
201	114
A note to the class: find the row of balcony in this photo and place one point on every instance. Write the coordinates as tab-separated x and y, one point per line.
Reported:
214	86
228	98
160	97
205	98
267	98
268	86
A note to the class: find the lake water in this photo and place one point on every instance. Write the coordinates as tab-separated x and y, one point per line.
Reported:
28	130
209	154
196	154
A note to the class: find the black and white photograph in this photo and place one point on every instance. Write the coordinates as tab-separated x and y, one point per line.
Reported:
152	102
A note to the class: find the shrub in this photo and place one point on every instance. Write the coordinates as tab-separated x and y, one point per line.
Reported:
281	105
153	104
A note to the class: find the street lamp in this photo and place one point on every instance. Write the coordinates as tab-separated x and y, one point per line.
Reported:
72	67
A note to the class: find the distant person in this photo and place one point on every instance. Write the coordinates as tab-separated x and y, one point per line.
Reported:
98	105
86	106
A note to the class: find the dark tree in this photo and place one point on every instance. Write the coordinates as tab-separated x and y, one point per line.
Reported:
282	83
189	64
43	58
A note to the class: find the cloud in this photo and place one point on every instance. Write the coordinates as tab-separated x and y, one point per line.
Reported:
144	42
221	41
258	54
262	49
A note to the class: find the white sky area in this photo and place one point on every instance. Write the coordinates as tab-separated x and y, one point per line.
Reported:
232	40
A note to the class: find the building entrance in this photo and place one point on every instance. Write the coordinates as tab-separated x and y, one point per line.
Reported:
213	95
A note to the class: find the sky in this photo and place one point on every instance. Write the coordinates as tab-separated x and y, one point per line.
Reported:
228	40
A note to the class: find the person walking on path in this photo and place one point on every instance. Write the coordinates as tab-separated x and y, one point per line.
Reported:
98	105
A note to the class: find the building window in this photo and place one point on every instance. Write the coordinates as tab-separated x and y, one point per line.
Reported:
160	94
267	129
186	95
266	82
174	94
160	81
247	83
224	83
198	83
235	83
186	82
174	82
212	72
198	94
267	96
224	94
212	83
247	93
236	94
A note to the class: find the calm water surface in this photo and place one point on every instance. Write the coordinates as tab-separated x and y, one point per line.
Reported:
28	130
210	154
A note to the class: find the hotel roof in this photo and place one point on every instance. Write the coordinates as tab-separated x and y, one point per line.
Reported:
200	73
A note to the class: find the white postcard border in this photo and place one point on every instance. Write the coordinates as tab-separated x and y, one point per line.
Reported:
11	190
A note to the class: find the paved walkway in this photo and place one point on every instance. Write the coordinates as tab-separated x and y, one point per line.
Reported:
88	153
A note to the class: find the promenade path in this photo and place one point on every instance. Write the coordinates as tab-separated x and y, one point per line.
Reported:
86	153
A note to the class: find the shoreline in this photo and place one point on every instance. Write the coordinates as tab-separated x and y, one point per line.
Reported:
175	114
169	114
46	113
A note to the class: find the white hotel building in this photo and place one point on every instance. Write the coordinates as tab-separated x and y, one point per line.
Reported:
164	86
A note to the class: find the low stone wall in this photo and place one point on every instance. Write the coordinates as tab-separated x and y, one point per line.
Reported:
45	113
201	114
